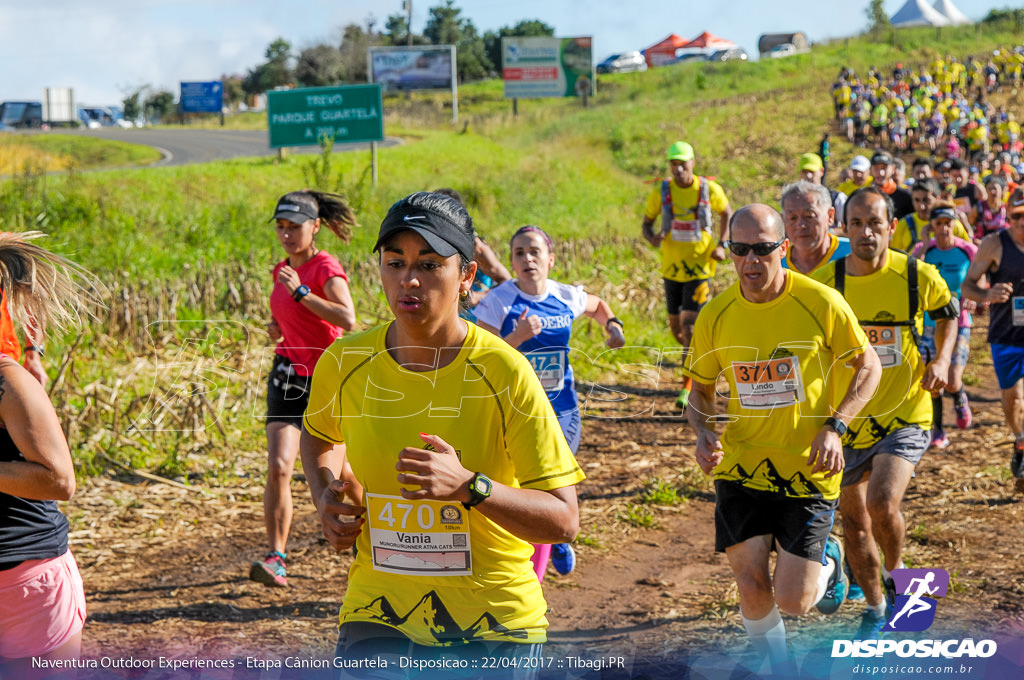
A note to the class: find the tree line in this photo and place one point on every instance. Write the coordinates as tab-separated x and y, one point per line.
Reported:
477	57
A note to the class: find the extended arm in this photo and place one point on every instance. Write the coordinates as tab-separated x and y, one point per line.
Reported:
700	411
323	463
531	514
988	257
47	472
827	447
336	307
598	310
647	228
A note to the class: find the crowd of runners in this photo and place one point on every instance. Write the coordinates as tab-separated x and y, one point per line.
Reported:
943	107
439	447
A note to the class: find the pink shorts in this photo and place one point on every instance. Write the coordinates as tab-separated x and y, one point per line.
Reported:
42	606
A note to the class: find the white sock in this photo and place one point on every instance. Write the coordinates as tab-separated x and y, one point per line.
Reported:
768	635
888	574
877	608
823	576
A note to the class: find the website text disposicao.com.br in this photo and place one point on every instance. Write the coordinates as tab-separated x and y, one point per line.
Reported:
913	658
914	670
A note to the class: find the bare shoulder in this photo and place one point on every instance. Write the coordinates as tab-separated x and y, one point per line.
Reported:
990	250
14	379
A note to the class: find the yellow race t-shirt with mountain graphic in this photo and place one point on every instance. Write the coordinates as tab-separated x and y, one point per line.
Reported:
686	249
435	571
778	358
880	300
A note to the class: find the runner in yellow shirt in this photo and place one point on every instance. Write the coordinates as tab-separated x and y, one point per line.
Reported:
461	457
776	336
860	167
914	228
686	206
889	292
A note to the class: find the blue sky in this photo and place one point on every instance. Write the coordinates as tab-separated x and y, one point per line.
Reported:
106	48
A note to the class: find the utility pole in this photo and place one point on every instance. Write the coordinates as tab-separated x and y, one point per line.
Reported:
408	21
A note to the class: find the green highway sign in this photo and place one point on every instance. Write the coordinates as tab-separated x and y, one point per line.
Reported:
303	117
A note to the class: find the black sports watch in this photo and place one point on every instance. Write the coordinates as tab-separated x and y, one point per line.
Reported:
837	425
300	292
479	489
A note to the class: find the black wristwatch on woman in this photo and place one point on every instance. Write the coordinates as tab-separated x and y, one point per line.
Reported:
300	292
479	490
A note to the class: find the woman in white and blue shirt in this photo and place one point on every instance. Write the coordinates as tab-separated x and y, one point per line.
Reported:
535	315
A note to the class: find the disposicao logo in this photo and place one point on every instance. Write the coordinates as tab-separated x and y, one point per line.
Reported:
917	596
914	610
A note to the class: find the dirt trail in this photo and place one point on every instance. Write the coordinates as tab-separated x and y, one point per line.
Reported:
166	568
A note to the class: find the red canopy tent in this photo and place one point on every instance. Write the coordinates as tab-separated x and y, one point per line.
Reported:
663	52
710	41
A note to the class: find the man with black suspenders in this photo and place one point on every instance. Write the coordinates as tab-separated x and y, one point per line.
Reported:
888	291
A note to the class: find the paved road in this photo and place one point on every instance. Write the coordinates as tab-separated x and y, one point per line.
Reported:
184	146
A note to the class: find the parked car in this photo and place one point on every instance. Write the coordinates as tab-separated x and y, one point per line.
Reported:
22	114
730	54
623	63
783	50
94	117
684	55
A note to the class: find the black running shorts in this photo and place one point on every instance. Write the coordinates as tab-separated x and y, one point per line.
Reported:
800	526
287	393
686	296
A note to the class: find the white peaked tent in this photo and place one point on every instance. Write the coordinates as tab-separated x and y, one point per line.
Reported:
947	9
918	13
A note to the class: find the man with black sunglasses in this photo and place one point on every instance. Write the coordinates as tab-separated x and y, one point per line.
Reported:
776	336
889	291
1001	257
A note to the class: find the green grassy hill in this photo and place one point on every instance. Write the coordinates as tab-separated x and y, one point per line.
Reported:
194	243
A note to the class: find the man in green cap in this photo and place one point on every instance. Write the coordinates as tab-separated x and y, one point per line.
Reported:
690	249
812	170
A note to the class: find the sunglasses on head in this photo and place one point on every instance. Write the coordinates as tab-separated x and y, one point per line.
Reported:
760	249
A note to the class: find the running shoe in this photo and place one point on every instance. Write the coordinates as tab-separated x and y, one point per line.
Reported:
835	593
964	417
889	590
854	593
1017	465
939	440
871	625
270	571
683	399
563	558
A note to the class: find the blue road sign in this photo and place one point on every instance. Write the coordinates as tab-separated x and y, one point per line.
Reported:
202	97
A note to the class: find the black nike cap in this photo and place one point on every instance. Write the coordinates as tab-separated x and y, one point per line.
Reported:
441	220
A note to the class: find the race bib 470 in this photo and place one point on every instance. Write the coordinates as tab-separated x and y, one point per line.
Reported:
425	537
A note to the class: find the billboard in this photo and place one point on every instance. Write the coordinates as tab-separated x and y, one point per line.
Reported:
547	67
427	67
202	97
350	113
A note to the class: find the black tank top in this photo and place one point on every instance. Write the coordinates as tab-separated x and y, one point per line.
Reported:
29	530
1011	270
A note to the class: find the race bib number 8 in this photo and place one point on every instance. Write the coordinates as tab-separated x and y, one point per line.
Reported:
425	537
888	344
764	385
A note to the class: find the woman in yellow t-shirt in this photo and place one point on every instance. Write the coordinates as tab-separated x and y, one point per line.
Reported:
460	455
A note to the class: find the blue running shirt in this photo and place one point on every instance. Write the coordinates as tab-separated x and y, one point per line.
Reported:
548	352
